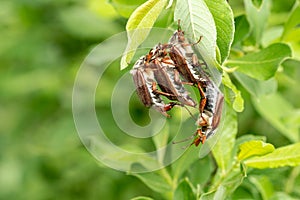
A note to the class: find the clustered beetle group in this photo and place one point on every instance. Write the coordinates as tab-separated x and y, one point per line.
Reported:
165	70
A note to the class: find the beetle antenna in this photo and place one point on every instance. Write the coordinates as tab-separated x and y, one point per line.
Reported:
191	114
184	140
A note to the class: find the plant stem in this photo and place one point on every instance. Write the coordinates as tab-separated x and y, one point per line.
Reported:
224	175
291	180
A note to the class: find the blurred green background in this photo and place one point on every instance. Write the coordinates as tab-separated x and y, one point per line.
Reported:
43	43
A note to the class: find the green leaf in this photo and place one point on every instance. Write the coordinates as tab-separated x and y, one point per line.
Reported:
121	158
184	162
238	101
246	138
223	17
219	194
282	195
263	185
155	182
288	79
292	30
142	198
196	21
222	151
184	191
226	184
202	176
292	70
242	29
258	18
255	87
271	35
254	148
262	65
232	180
277	111
280	157
139	25
125	7
160	140
293	20
103	8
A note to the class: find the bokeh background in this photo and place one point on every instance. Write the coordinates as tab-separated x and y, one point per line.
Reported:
43	44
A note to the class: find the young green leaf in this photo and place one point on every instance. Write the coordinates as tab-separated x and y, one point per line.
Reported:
277	111
283	156
254	148
262	65
246	138
184	191
197	21
238	101
255	87
258	18
223	17
139	25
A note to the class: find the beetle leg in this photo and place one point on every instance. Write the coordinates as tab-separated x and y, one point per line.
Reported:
200	138
198	41
164	60
156	91
188	83
170	105
203	98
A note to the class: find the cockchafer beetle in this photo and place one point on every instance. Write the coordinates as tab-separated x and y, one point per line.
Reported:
169	82
168	77
211	116
187	63
193	71
161	66
209	120
143	77
151	70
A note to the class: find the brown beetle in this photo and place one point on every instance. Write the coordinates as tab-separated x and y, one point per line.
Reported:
212	114
168	77
187	63
193	71
143	77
